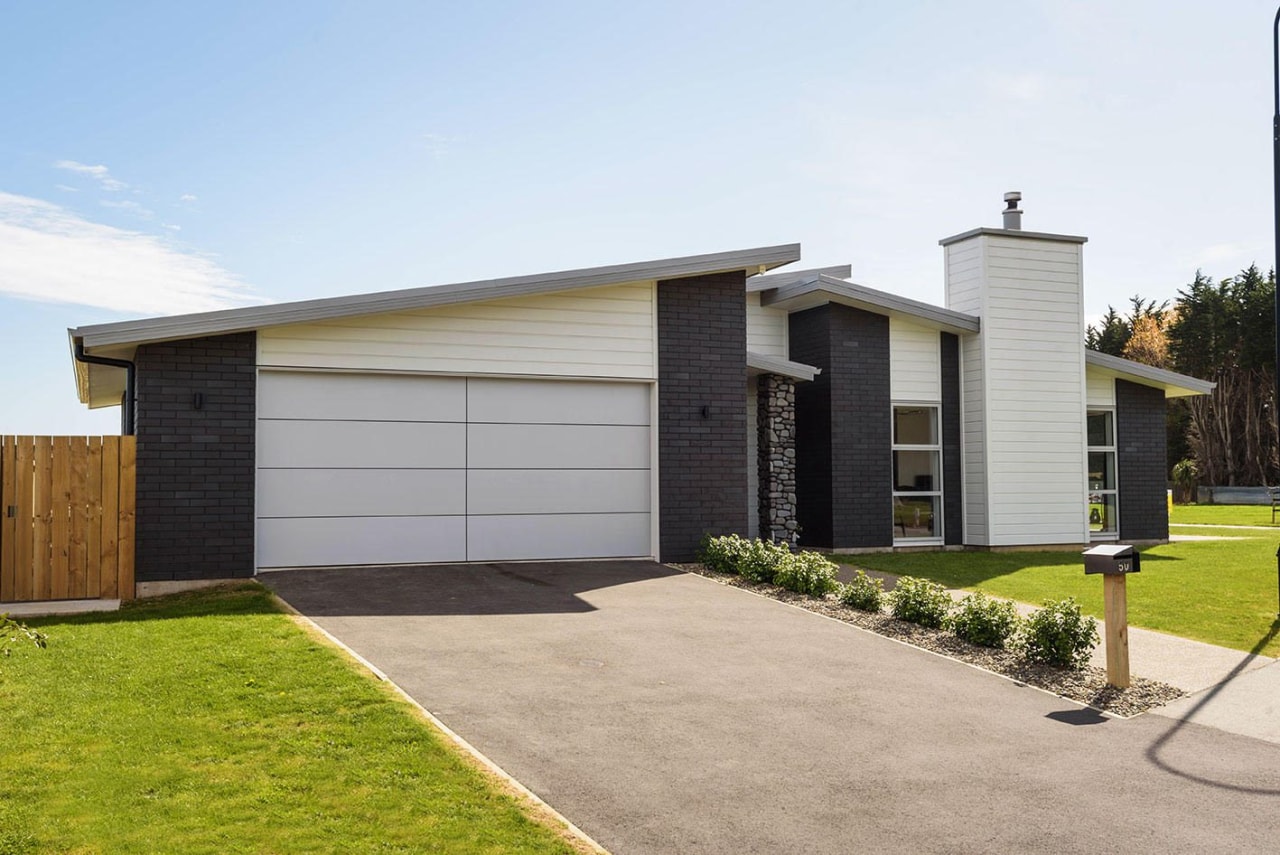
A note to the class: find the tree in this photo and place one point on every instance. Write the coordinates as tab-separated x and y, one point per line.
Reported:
1147	343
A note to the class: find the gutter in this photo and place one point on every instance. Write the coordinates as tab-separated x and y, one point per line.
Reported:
127	405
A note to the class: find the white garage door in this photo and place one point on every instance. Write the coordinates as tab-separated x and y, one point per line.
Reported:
390	469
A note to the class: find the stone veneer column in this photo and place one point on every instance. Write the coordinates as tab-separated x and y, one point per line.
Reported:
776	456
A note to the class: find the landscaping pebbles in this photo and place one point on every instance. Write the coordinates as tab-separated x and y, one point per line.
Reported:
1087	685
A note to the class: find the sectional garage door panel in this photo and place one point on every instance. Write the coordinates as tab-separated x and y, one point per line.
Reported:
362	492
366	397
396	469
551	536
338	541
537	446
557	491
301	444
540	402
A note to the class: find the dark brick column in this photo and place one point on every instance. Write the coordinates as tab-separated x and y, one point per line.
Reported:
843	428
776	456
952	449
1140	453
702	411
196	464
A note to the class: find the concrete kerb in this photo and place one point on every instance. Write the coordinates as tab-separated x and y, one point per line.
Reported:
518	789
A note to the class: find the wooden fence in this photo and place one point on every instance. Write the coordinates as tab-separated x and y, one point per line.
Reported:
66	517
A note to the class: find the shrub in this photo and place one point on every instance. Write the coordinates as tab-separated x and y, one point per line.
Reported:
722	554
864	592
13	632
807	573
920	601
1059	634
981	620
762	559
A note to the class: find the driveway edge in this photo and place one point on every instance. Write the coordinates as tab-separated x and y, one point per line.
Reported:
520	790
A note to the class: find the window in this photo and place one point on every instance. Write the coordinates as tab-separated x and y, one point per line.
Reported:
1101	504
917	474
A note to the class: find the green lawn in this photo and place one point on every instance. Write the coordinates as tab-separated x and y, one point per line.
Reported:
1221	591
1222	515
212	723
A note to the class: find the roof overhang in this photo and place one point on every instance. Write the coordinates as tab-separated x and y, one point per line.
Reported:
759	363
98	385
822	289
1175	385
791	277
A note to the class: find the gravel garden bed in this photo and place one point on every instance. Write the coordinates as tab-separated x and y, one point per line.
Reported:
1087	685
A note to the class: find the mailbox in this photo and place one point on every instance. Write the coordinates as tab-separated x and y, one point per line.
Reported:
1112	559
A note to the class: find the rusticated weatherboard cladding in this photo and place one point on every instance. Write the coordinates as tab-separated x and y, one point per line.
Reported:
915	372
1140	449
702	411
843	438
766	328
810	342
594	332
952	448
196	458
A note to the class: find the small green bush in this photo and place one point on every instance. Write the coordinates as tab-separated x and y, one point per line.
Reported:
979	619
762	560
920	601
807	573
1059	634
724	553
864	592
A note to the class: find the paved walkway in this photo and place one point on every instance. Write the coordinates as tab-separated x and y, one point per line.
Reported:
662	712
1229	690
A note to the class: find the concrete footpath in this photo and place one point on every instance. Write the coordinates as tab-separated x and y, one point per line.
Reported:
1229	690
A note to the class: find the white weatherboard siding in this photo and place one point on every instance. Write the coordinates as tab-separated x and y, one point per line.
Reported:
1101	389
915	362
1032	382
965	273
594	332
402	469
766	329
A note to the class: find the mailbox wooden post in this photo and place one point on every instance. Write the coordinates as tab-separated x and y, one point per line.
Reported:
1114	563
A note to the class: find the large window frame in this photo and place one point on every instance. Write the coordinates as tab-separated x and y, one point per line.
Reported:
917	456
1102	501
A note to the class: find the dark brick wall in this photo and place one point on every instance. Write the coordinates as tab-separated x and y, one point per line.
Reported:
843	432
952	462
196	466
1140	452
810	336
702	460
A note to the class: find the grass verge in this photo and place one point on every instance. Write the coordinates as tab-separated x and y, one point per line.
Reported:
1222	515
211	722
1221	591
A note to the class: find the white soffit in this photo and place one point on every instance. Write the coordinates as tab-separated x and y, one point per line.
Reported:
1175	385
821	289
759	363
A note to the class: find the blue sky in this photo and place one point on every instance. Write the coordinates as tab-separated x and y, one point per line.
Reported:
168	157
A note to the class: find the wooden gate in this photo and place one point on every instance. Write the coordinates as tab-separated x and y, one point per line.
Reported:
66	517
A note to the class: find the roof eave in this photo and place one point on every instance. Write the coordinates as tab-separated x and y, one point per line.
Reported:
826	289
1175	385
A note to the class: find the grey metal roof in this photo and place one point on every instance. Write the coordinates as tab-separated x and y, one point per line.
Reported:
777	365
756	260
816	290
1014	233
1174	384
777	280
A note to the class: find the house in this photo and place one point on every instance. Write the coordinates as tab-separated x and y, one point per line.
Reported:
624	411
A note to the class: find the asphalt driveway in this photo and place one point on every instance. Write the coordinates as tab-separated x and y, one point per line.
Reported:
664	713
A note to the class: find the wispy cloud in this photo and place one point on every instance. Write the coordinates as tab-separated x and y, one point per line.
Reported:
67	188
50	254
438	145
188	197
173	227
130	206
97	172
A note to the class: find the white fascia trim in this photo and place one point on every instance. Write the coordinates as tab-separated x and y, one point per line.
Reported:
822	289
1175	385
777	365
754	261
777	280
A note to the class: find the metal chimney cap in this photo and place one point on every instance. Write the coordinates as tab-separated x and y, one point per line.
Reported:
1012	214
1012	198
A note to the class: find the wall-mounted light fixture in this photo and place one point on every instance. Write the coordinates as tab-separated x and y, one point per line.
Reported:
197	401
